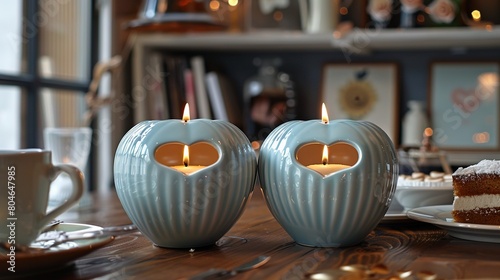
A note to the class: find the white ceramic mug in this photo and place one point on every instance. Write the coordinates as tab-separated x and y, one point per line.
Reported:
25	179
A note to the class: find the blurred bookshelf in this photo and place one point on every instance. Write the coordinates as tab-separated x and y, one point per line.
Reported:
304	55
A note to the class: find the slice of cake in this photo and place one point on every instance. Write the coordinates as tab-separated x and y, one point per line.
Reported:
477	193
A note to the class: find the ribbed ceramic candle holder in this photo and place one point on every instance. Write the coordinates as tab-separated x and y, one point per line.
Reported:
177	206
338	208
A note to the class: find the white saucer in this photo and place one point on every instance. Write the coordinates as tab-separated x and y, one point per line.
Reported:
57	256
440	216
396	216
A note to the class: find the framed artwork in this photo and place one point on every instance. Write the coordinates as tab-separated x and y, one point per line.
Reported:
363	91
464	105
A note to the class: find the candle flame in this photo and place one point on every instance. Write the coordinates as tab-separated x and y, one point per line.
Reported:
185	156
185	115
324	159
324	114
428	132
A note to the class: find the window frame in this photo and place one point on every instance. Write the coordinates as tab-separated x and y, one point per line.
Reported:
31	82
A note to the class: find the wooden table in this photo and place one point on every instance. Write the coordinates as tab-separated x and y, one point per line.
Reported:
404	246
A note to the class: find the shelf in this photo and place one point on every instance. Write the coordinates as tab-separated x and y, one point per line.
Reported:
237	41
425	38
358	40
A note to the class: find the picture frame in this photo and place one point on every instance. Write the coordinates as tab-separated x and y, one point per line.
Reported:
464	105
377	98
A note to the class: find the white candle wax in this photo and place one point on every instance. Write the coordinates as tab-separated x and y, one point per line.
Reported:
188	169
325	169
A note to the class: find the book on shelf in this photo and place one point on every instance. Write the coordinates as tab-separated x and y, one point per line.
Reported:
190	93
157	97
175	66
202	102
214	91
174	80
222	98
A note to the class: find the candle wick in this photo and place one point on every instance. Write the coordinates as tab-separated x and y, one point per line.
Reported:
185	164
324	162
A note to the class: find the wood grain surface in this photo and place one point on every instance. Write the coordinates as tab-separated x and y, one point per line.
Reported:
399	246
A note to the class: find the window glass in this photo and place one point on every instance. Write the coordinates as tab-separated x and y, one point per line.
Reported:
11	42
61	108
64	39
10	117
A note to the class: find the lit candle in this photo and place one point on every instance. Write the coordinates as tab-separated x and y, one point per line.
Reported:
317	167
186	168
324	168
176	165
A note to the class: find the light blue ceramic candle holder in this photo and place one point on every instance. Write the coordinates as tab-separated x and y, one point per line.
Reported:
337	209
179	210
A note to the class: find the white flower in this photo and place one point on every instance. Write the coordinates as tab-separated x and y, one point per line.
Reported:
442	11
380	10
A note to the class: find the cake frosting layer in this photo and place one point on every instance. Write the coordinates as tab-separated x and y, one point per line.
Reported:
464	203
485	166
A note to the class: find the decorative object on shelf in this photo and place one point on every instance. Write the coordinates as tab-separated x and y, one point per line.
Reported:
228	12
319	16
272	15
414	122
465	105
363	91
427	158
184	183
411	13
442	13
269	99
476	20
481	12
333	196
353	12
175	16
381	12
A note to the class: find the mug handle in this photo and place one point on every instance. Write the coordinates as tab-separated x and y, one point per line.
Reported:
76	176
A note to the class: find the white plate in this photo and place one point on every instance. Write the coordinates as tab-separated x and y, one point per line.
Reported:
440	216
57	256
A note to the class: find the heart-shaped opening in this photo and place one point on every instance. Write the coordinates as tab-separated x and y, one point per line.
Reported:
340	155
201	155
